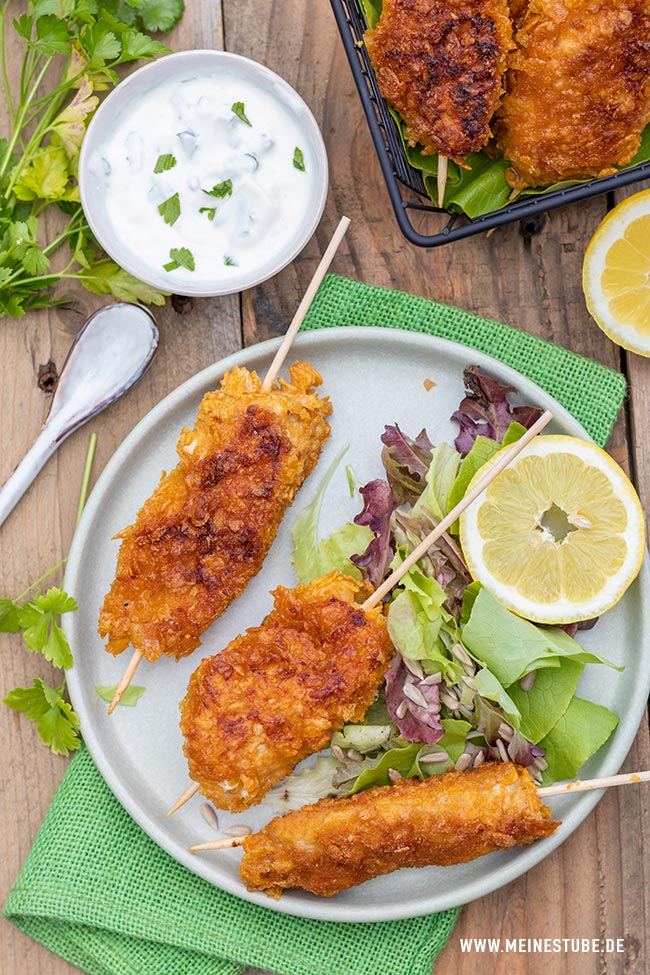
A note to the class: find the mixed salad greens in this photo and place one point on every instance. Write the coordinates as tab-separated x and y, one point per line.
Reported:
470	681
482	187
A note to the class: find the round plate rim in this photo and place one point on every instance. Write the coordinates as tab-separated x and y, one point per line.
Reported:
307	906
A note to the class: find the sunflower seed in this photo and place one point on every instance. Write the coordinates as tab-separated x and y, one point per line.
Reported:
540	764
433	757
501	748
471	683
238	831
461	654
354	755
415	667
479	758
448	700
463	762
528	680
394	775
415	694
209	815
505	731
338	753
401	710
432	679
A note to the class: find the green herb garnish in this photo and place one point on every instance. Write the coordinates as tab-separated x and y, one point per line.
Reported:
228	261
298	159
56	722
180	257
170	210
238	109
70	51
163	163
36	619
209	210
221	190
130	697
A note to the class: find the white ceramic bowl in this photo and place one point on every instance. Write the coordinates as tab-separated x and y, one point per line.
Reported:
116	108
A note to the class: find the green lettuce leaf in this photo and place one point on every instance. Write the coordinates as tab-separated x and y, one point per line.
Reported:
312	558
440	477
543	705
488	686
511	647
581	731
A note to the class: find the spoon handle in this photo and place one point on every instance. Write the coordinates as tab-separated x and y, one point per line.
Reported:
17	483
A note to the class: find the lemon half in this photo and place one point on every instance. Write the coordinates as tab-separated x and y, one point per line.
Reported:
559	535
616	274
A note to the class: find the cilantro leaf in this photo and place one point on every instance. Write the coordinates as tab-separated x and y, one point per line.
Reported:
46	177
298	159
209	210
136	45
52	35
106	278
163	163
180	257
130	697
170	210
220	190
23	26
160	14
9	616
56	722
238	109
228	261
41	633
100	44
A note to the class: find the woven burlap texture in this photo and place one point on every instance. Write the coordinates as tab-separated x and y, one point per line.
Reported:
97	891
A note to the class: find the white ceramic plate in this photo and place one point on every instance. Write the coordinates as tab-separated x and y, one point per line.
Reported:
374	376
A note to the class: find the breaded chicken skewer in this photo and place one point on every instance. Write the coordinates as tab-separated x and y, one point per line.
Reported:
440	65
277	694
578	90
335	844
453	818
207	528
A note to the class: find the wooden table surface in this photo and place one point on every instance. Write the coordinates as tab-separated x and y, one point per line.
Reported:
596	884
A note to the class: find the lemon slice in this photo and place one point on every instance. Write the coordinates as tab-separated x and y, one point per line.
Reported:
559	535
616	274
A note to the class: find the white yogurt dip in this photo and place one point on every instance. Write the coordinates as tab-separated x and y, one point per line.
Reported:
203	176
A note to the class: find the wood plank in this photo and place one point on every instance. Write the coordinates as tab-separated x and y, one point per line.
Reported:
531	283
39	531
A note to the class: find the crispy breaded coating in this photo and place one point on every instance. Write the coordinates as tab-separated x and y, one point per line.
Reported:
277	693
206	529
578	90
447	819
440	64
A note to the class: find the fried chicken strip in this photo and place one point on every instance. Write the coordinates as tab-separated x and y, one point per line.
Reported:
206	529
440	65
578	90
277	693
447	819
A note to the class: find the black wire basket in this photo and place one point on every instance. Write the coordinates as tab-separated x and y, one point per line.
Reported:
398	173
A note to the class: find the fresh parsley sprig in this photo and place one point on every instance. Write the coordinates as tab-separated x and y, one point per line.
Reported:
70	52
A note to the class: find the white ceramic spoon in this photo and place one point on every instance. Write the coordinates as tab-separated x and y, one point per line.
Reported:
110	353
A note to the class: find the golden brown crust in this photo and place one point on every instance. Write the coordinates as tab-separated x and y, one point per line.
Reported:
279	691
578	90
206	529
440	64
447	819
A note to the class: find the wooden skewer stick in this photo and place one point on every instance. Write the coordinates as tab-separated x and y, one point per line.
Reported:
442	178
480	486
568	788
269	379
564	788
127	677
426	544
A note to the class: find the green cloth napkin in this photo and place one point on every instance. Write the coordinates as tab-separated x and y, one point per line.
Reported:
97	891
